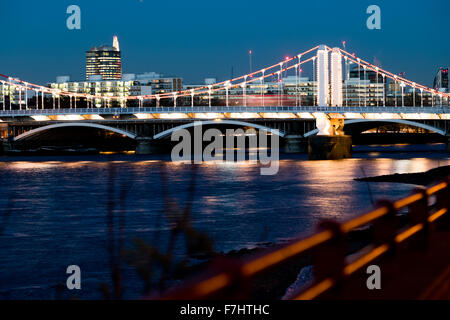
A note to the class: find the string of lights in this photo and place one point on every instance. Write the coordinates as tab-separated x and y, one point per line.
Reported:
388	74
248	78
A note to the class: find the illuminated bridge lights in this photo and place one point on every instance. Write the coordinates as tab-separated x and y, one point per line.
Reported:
420	116
353	115
243	115
171	116
93	117
40	118
305	115
68	117
208	115
237	112
144	116
278	115
381	116
248	90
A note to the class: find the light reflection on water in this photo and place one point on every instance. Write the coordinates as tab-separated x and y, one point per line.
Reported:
59	215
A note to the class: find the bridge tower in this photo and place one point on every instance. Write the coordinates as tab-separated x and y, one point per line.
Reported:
330	141
322	77
336	78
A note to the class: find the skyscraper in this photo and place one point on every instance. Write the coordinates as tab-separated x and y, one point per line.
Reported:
104	63
441	80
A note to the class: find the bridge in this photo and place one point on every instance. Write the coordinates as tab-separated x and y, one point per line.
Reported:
275	99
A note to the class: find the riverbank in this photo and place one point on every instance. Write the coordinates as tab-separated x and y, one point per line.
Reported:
419	178
274	283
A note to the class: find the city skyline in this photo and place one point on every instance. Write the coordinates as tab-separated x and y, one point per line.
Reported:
213	49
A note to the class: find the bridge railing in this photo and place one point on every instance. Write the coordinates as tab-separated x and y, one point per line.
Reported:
225	109
425	206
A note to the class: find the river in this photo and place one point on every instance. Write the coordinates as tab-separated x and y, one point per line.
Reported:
58	213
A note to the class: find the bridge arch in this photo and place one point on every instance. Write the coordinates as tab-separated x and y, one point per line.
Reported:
400	121
73	124
168	132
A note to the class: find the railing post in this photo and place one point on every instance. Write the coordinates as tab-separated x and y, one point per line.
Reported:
237	286
418	213
385	228
443	202
329	257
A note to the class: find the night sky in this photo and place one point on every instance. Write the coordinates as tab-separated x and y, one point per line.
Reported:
198	39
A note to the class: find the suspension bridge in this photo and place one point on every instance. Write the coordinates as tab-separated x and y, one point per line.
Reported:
275	98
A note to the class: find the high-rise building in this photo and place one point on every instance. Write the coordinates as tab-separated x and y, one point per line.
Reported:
441	80
104	63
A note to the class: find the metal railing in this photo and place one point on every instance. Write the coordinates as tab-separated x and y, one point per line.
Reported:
223	109
332	264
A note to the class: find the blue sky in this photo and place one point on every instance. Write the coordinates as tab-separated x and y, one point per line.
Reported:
198	39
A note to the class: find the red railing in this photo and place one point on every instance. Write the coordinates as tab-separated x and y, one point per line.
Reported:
327	246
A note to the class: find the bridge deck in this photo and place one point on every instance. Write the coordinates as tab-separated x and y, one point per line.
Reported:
442	110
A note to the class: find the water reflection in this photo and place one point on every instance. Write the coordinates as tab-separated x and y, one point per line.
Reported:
60	205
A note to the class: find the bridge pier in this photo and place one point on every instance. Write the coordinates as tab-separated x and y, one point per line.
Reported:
5	146
330	143
147	145
329	147
295	144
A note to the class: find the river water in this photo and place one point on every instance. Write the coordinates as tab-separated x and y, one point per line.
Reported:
54	210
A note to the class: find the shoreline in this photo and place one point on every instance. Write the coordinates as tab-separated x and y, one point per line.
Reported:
272	284
419	178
